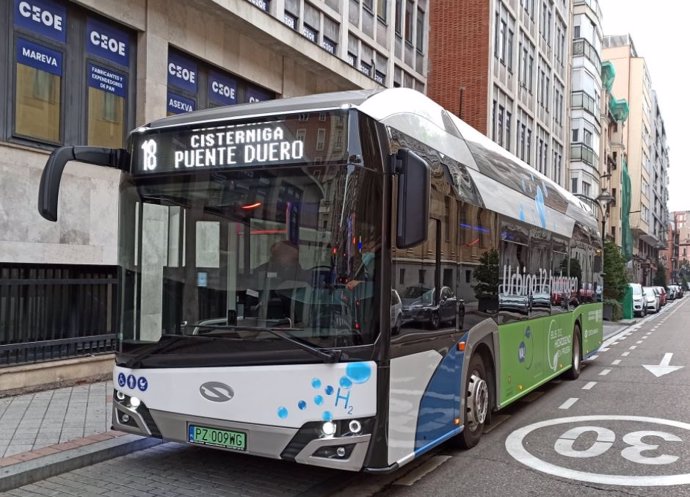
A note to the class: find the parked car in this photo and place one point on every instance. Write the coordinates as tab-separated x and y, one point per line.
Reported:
651	299
670	292
396	312
677	291
639	307
419	305
661	292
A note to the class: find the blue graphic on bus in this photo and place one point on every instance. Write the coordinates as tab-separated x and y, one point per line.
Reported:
282	412
132	381
316	383
142	383
121	379
358	372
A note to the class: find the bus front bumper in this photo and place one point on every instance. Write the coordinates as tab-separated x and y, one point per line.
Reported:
306	445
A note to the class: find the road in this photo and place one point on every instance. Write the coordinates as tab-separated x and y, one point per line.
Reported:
621	429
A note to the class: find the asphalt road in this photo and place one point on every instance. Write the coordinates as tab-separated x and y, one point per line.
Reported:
615	431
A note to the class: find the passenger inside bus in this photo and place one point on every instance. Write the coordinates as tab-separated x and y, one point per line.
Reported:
269	293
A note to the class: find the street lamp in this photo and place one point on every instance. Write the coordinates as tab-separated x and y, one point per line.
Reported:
602	201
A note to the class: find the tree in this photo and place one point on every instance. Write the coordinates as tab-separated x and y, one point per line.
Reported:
615	277
575	268
660	275
487	275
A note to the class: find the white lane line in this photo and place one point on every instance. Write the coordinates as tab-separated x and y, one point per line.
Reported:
633	347
589	385
591	358
603	349
644	337
568	403
616	362
625	354
605	372
638	342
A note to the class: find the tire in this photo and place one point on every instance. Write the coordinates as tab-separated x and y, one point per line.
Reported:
477	403
576	359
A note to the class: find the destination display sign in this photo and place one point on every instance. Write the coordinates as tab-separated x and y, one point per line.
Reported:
294	140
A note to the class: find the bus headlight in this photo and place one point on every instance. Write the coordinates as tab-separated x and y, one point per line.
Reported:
328	428
134	402
355	426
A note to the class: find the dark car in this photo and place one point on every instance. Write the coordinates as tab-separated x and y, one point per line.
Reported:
420	306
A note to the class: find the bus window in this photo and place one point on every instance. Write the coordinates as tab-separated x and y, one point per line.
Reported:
514	292
538	267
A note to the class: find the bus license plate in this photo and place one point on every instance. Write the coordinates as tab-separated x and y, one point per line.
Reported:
204	435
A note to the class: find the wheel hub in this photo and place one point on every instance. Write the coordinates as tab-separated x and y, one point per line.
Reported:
477	401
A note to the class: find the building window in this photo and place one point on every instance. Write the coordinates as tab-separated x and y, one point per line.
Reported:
38	92
187	76
368	4
107	81
409	11
586	188
574	185
420	30
382	9
398	17
44	33
508	120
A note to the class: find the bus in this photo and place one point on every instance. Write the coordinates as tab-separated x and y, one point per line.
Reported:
345	280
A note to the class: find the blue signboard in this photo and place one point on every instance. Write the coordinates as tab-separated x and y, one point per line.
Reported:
107	80
257	95
177	104
43	17
182	72
106	41
39	57
222	89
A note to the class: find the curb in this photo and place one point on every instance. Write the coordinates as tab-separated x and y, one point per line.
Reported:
40	468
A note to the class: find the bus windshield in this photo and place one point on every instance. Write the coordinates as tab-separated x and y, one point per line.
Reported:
229	252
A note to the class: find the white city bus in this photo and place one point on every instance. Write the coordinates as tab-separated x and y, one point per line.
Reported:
345	280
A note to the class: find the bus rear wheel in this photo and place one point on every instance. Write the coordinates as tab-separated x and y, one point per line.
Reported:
576	363
477	403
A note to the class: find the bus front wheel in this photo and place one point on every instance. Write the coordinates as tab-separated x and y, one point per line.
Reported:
576	363
477	395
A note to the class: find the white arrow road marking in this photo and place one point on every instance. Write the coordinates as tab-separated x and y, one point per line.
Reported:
663	367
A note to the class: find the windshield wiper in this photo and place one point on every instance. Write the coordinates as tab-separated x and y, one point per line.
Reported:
326	355
135	362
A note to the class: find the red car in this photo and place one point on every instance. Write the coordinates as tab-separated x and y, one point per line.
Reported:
661	292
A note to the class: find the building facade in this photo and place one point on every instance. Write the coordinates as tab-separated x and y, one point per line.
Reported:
586	101
506	73
86	72
678	247
647	155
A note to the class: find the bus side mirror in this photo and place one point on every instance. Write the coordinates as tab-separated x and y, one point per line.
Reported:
49	188
414	179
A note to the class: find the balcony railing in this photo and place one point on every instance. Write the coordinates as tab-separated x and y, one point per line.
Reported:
584	153
581	100
585	48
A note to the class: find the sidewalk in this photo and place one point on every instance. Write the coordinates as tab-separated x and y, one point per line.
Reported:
46	433
613	327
